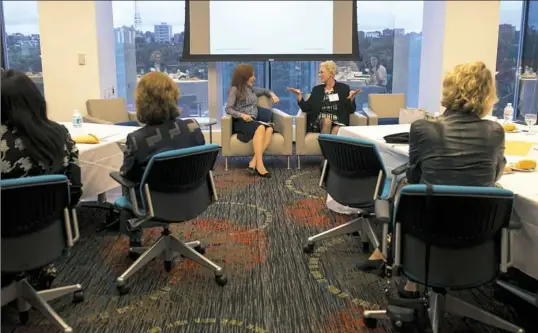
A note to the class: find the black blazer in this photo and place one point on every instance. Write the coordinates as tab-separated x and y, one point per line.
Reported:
459	148
149	140
313	105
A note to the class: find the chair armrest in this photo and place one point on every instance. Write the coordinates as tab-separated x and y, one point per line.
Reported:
357	119
122	180
399	170
284	125
382	210
94	120
226	134
300	131
373	119
132	116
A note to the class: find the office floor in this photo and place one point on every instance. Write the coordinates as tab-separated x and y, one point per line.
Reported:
256	232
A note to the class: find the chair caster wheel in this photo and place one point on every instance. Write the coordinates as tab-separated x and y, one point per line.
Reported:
365	247
309	248
370	322
78	296
168	266
24	317
123	290
200	249
221	280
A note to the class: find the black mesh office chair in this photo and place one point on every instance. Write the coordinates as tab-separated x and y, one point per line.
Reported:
354	176
36	231
447	238
177	186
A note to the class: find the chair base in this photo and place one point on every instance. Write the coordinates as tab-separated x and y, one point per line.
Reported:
523	294
226	163
361	225
401	315
27	297
167	245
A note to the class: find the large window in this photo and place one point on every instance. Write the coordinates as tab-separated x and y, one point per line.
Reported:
508	54
149	37
22	39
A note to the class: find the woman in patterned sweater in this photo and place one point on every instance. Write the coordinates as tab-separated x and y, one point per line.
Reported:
33	145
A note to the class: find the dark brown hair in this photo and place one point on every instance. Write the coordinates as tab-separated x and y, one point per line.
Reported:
242	73
156	99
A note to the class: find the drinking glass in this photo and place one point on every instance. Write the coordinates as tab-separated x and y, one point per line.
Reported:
530	119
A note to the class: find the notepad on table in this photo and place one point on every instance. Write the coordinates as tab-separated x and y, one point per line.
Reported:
87	139
517	148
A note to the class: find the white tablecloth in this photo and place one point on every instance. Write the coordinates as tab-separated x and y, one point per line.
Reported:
524	185
97	161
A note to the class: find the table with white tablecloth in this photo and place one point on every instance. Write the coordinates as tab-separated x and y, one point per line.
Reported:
523	184
98	160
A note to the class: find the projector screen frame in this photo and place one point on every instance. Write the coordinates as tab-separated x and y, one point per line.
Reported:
188	57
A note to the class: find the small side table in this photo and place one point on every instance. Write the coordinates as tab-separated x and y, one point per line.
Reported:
205	121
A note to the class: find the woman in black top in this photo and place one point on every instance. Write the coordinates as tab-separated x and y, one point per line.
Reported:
33	145
156	99
330	103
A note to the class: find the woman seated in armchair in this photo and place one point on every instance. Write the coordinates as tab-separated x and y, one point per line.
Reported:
330	103
156	99
249	119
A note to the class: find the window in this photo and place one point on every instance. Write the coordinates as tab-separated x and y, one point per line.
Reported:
22	39
508	54
149	37
528	83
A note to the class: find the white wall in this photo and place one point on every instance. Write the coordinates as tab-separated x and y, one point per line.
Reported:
455	32
67	29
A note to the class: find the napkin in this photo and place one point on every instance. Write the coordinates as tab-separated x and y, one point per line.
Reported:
91	139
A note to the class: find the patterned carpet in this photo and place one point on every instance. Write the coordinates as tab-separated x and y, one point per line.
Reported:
256	232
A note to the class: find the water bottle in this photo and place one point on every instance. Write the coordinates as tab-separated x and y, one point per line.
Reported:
77	119
508	113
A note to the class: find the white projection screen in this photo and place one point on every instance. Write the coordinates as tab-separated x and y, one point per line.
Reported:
220	30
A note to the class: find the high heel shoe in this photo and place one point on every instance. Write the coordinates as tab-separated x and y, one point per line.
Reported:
403	293
251	170
376	266
264	175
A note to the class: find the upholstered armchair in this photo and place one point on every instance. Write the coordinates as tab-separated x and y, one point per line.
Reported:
307	143
109	111
384	109
281	143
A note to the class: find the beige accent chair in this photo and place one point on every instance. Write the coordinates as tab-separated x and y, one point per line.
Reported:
281	143
307	143
384	109
107	111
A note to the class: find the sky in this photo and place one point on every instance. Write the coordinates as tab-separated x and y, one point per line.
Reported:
22	16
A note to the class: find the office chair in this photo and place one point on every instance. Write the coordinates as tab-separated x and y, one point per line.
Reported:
447	238
354	175
177	186
36	230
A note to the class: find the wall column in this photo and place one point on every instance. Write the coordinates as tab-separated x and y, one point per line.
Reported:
77	53
455	32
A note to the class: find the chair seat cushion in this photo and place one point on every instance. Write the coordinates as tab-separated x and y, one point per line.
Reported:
238	148
311	144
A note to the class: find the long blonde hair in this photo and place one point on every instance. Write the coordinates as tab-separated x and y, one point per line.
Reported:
469	87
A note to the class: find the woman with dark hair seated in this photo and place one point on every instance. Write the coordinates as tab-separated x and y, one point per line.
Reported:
460	147
243	106
33	145
156	99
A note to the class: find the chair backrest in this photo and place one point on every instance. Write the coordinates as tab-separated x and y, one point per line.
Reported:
180	182
462	226
111	109
33	221
354	170
386	105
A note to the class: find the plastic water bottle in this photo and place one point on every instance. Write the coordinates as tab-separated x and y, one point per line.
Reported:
77	119
508	113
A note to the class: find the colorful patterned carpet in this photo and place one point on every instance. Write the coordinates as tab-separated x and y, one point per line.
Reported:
256	232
